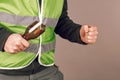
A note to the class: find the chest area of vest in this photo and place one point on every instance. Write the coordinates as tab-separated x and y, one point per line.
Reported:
51	8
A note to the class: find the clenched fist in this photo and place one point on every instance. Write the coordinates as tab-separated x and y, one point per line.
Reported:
88	34
15	43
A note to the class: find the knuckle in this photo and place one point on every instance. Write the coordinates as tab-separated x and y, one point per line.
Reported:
91	29
18	37
90	33
15	48
17	43
89	37
27	44
22	48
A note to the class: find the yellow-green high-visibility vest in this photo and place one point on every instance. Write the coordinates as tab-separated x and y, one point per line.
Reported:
16	15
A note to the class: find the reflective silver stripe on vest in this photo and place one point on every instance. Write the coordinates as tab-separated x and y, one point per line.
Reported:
25	20
50	21
45	47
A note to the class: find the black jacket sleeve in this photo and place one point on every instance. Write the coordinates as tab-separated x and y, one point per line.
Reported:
3	37
66	28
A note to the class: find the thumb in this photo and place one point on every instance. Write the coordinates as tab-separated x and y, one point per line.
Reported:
85	27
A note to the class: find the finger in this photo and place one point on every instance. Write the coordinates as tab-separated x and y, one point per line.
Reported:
12	51
25	43
16	49
20	46
85	27
92	33
91	37
91	41
17	46
91	29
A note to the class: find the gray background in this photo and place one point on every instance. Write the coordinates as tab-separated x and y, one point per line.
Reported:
100	61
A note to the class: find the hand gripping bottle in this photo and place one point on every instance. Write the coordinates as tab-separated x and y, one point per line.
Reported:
33	31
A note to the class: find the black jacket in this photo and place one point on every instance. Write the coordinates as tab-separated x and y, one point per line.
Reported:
66	28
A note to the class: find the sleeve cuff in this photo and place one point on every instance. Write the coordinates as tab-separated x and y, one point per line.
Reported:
4	34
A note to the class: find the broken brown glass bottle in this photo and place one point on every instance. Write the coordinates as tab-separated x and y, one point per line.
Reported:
33	31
